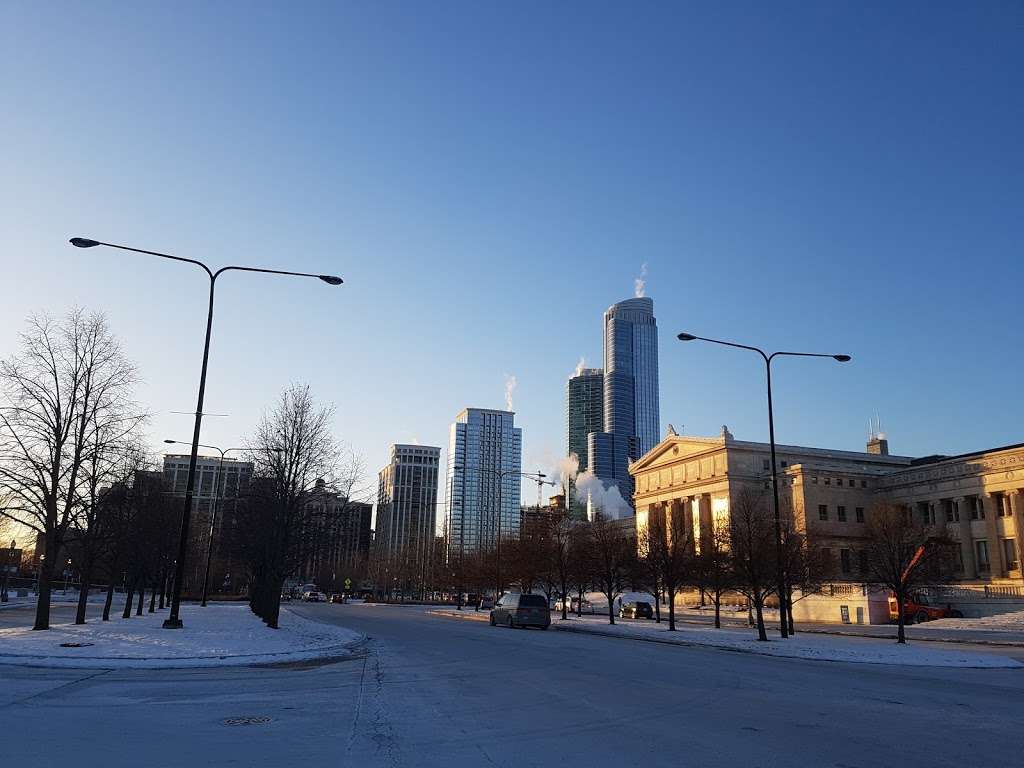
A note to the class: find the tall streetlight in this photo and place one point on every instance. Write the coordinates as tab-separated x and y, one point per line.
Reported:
173	621
779	575
217	498
501	474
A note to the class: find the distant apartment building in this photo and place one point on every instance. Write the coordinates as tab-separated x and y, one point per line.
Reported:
584	413
631	401
218	486
482	491
407	502
336	538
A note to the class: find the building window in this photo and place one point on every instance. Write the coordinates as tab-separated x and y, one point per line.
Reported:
814	481
828	481
839	482
844	560
1010	554
823	511
863	483
766	464
841	514
859	512
862	561
1001	509
981	550
785	464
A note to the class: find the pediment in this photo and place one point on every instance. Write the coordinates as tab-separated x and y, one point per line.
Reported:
672	449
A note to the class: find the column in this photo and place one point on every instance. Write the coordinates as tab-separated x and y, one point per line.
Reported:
990	503
967	541
1016	499
706	522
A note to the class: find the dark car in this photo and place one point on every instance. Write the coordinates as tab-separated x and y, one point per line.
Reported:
515	610
636	610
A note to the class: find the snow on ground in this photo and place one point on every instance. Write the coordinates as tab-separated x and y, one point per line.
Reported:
1003	622
58	597
218	635
803	646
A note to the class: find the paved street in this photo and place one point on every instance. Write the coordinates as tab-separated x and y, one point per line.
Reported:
430	691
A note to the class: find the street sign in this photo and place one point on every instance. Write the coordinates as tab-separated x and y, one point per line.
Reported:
348	583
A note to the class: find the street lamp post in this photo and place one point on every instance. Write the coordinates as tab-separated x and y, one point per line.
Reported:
780	576
174	621
501	474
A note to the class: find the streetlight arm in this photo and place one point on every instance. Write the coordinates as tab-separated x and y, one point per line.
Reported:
91	243
691	337
841	358
326	278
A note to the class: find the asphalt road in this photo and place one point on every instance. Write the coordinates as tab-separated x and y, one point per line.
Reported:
430	691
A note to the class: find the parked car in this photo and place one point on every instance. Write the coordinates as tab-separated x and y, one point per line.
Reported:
286	597
486	603
637	609
516	610
918	608
336	597
574	606
315	597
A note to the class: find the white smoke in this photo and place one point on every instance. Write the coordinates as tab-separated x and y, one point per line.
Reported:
640	284
510	386
580	366
607	500
567	469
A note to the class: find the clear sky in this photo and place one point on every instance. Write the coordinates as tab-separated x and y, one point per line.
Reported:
488	178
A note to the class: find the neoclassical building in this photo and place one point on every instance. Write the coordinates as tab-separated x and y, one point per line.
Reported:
976	497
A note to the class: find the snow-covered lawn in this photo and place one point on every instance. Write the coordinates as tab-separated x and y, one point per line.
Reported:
1003	622
819	647
802	646
218	635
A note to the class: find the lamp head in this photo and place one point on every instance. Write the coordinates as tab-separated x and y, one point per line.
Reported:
842	358
83	242
331	279
171	442
686	337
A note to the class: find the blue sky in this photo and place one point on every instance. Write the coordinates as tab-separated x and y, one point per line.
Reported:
488	178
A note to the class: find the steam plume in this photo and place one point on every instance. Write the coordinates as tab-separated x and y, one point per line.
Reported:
640	284
510	386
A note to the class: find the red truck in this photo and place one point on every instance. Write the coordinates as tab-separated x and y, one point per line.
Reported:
918	608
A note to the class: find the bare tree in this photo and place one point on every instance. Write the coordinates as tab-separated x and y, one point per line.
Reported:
804	567
752	547
612	554
560	556
714	567
69	383
581	564
292	450
904	553
668	547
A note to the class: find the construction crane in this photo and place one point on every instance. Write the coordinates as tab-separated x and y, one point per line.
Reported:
541	480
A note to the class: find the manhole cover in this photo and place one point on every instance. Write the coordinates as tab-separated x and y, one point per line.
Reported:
257	720
75	645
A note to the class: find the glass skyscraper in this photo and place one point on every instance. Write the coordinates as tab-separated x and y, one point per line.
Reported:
484	462
584	413
631	412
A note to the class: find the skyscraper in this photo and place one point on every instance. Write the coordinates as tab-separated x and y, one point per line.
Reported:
482	492
407	502
584	413
631	412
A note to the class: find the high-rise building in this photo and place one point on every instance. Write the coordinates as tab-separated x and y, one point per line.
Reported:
219	483
337	533
631	411
584	413
407	502
483	487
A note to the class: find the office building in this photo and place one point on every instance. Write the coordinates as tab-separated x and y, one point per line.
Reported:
584	414
483	485
631	409
407	502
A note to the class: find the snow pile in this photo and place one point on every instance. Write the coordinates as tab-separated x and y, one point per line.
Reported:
1003	622
218	635
815	647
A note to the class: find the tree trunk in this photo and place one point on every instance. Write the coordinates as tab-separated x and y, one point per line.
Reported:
152	598
129	596
273	609
110	599
83	596
611	609
758	609
657	606
718	610
702	597
901	635
163	589
579	603
565	596
142	596
45	582
671	610
789	611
